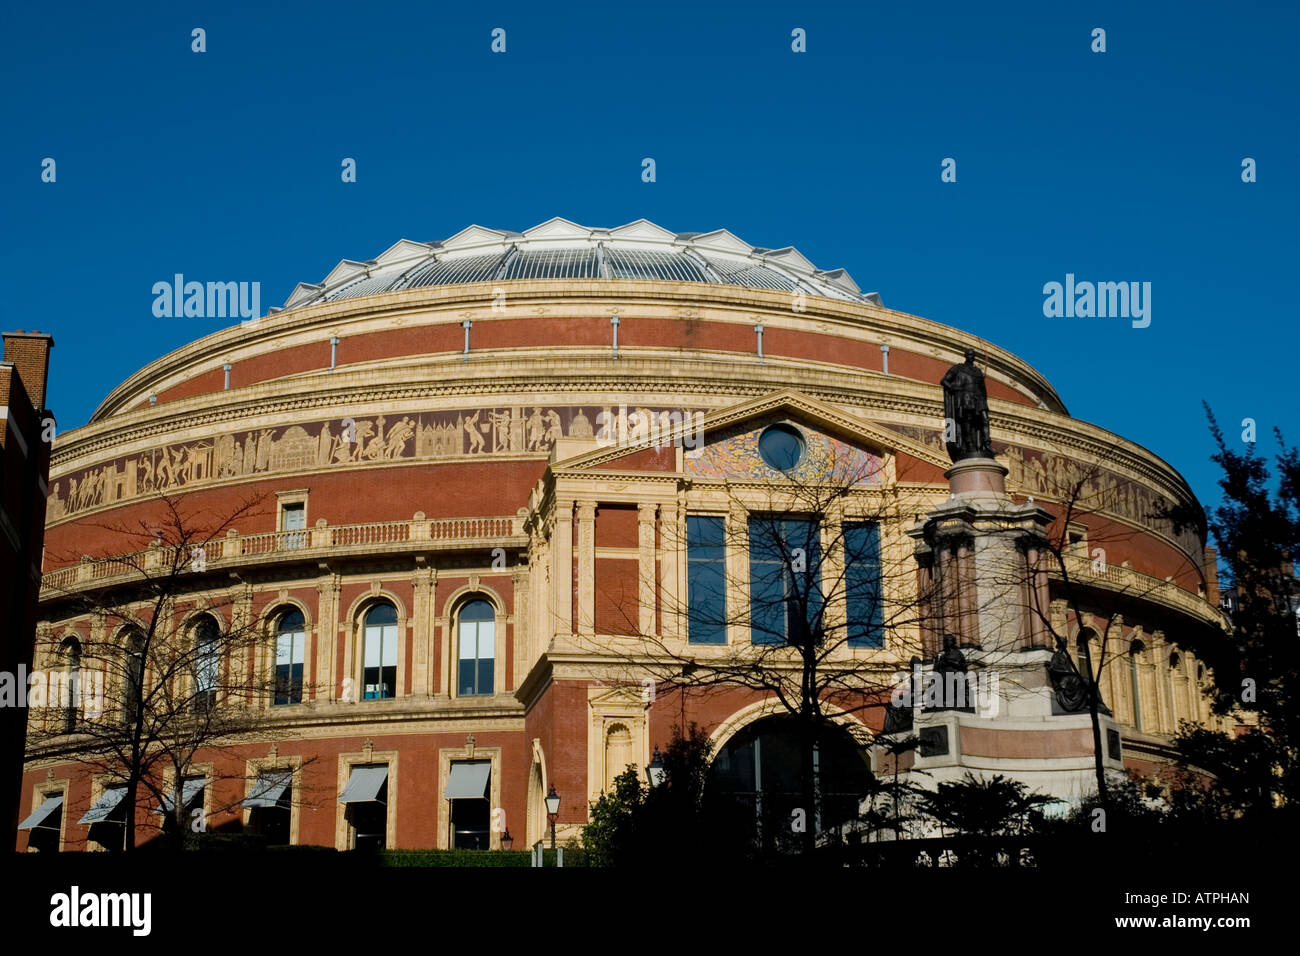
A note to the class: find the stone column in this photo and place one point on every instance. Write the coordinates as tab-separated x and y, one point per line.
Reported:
328	588
562	571
586	567
646	566
422	631
519	581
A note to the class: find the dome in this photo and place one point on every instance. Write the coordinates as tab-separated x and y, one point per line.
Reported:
559	249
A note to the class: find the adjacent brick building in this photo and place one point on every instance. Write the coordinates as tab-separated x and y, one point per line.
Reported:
24	467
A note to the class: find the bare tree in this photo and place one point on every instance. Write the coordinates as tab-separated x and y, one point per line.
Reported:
171	665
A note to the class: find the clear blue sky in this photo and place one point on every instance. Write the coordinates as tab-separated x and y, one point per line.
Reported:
1122	166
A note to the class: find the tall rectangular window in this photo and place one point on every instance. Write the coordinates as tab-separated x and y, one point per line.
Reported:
862	585
290	639
293	518
785	599
706	579
477	637
379	676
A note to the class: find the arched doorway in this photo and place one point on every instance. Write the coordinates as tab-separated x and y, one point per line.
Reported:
754	783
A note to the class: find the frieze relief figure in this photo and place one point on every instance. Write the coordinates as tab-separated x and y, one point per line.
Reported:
436	435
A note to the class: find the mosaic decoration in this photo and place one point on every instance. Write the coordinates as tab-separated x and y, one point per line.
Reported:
733	455
461	433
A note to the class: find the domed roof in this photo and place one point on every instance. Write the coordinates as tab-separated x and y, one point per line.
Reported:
559	249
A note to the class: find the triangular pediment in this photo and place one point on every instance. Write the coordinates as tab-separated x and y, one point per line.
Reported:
557	228
725	439
345	270
722	241
404	250
472	236
643	230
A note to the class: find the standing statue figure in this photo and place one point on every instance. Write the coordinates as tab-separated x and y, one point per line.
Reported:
966	411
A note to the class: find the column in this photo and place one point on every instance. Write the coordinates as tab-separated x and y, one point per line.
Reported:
586	567
422	631
562	570
328	588
646	564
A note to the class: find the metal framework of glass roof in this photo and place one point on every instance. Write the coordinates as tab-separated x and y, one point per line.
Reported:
559	249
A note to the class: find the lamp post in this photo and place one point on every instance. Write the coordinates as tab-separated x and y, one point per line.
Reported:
656	771
552	811
507	841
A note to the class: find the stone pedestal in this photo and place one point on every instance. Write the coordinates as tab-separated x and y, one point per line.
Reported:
984	703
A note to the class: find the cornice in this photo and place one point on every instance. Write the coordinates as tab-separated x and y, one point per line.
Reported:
886	325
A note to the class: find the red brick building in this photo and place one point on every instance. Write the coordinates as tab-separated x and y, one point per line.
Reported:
26	430
488	470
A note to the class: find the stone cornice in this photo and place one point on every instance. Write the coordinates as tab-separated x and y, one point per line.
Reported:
880	325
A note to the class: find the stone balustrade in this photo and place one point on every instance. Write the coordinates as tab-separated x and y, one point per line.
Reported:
419	533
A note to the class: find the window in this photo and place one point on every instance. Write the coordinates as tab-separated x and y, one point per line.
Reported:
269	805
107	818
44	823
207	637
191	793
379	679
781	446
862	587
132	674
366	796
705	580
468	789
784	580
290	639
69	695
477	641
293	518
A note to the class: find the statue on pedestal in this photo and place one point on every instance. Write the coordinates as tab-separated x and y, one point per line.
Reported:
966	411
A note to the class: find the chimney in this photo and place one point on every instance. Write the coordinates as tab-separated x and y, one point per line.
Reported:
30	354
1211	568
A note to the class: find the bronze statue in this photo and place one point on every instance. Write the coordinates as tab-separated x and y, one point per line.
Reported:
1070	686
966	411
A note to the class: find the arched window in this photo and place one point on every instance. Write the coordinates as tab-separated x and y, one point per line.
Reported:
477	640
69	696
290	642
379	678
132	673
207	638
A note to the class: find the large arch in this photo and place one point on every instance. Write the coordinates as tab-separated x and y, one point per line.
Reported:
754	781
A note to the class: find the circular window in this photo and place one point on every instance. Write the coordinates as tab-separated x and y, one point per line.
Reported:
781	446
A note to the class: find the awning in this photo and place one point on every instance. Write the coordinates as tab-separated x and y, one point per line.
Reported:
469	780
364	784
105	805
42	813
192	787
269	789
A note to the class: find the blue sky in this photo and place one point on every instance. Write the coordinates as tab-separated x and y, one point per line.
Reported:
1119	166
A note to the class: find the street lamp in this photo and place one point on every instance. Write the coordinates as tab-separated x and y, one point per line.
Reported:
656	771
552	811
507	841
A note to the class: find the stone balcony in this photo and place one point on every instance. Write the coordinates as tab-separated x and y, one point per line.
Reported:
1123	580
323	542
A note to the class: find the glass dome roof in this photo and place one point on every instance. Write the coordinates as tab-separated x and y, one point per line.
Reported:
559	249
